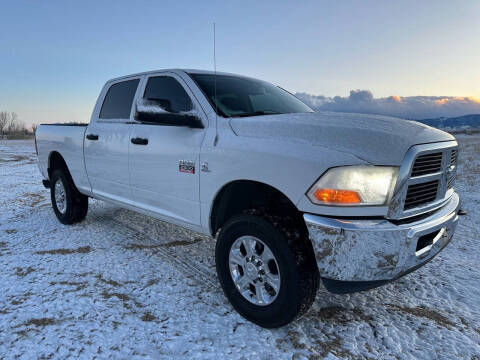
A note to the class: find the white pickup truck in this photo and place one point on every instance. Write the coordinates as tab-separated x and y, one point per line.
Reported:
292	195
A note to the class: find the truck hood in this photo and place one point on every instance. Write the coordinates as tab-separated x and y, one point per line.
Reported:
379	140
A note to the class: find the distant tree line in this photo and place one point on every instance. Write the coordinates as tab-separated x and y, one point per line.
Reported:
11	127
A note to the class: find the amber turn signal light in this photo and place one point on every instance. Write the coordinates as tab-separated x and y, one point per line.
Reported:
337	196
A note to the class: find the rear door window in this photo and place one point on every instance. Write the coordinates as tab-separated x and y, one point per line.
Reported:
119	99
168	93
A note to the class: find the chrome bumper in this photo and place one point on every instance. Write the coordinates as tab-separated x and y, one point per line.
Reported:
378	250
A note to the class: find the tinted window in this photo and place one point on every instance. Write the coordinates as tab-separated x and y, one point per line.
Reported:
119	99
168	93
237	96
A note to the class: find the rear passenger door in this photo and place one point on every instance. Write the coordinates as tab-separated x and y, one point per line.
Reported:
107	141
164	168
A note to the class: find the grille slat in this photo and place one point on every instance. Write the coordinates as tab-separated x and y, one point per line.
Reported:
450	183
430	157
427	170
423	192
419	194
428	161
419	199
421	186
452	175
427	164
453	158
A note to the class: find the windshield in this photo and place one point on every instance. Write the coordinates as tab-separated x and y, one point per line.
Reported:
238	96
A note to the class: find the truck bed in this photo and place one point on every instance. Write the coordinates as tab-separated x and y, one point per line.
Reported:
66	124
67	140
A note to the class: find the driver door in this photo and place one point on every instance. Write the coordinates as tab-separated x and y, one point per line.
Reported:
164	159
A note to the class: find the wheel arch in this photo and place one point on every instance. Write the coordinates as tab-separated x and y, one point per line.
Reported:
238	196
56	161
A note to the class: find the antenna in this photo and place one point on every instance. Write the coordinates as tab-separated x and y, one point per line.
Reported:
215	87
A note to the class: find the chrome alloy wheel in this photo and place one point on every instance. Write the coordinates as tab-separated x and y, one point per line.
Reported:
60	197
254	270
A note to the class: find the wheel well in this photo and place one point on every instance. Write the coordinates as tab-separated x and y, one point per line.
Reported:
241	195
55	162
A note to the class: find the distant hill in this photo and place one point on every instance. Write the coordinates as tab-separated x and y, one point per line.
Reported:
465	121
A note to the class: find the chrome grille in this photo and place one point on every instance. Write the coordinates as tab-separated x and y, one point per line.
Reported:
425	179
453	169
427	164
421	193
453	158
450	182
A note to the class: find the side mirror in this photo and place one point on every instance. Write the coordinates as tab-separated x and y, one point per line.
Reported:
155	112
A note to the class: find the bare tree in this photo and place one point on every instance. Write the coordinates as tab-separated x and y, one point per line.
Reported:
34	128
12	126
3	122
13	123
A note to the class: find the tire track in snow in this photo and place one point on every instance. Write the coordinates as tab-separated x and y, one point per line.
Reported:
182	263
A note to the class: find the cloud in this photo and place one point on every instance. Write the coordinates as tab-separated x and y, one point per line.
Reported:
409	107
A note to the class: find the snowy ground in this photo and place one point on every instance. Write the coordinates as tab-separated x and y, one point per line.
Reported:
122	285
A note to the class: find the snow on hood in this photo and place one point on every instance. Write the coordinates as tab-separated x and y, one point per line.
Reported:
380	140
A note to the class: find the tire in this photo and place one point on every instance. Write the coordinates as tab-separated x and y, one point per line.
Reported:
296	266
74	208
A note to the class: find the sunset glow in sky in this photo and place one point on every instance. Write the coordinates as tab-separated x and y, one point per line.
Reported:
56	55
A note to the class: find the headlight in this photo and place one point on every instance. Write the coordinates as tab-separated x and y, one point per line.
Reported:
354	185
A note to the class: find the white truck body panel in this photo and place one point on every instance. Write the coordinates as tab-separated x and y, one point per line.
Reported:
68	141
106	160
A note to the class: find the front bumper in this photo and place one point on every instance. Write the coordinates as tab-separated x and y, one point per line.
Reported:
354	255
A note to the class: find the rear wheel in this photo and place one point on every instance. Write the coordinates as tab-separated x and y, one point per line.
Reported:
69	205
268	274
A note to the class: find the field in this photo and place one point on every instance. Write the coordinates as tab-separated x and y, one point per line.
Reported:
122	285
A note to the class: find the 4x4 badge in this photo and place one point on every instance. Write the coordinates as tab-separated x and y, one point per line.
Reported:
186	166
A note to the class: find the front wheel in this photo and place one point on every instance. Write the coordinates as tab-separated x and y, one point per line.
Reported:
69	205
269	277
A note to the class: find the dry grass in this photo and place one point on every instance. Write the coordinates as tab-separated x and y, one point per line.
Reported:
168	244
80	250
23	272
40	322
108	281
420	311
340	315
148	317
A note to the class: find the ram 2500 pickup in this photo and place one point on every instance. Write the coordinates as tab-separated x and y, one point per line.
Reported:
291	195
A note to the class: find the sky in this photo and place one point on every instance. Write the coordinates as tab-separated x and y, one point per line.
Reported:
56	55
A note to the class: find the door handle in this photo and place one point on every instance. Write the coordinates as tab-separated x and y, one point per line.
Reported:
139	141
92	137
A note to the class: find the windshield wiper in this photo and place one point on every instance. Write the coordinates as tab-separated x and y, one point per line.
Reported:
257	113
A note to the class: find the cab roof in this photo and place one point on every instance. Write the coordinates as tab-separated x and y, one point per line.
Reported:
186	71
